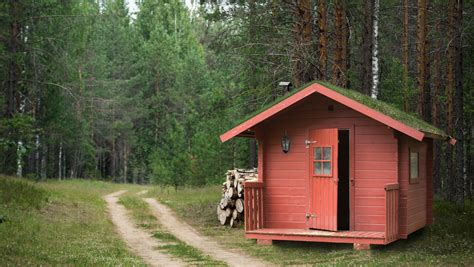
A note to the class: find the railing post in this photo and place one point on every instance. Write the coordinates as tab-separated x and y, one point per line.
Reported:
391	212
253	205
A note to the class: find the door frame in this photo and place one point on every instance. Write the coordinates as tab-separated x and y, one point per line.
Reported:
352	179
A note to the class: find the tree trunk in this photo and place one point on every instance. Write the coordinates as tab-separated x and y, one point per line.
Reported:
323	41
405	49
424	108
113	160
375	51
303	37
469	163
60	160
436	110
339	72
125	161
458	104
367	47
450	178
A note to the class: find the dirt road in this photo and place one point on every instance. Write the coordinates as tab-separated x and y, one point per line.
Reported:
139	241
187	234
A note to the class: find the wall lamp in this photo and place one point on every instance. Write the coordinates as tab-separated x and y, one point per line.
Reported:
285	143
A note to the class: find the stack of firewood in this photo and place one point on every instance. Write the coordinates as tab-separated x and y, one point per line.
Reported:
231	207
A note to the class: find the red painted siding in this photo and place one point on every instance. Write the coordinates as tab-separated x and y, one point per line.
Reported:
285	178
414	197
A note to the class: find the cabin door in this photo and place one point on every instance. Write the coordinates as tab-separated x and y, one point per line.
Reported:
323	145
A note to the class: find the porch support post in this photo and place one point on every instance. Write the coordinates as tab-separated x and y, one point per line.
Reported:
265	242
359	246
259	136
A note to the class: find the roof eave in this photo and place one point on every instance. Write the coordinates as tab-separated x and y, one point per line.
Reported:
451	140
376	115
248	124
371	113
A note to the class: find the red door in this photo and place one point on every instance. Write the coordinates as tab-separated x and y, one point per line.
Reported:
323	179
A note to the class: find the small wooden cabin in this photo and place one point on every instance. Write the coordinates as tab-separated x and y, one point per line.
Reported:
338	166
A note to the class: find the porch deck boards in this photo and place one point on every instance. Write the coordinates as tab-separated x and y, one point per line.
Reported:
318	235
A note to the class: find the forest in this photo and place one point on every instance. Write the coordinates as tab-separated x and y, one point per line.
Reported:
93	90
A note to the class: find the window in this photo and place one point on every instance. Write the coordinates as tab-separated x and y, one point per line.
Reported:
322	161
414	166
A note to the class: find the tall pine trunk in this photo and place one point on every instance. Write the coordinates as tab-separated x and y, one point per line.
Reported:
405	49
341	35
458	105
322	39
437	109
451	179
367	47
424	102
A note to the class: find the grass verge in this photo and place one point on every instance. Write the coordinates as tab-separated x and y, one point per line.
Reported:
59	223
449	241
143	217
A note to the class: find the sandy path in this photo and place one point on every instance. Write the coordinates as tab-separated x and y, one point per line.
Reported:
187	234
138	240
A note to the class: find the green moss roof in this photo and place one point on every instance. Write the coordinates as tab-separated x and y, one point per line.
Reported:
378	105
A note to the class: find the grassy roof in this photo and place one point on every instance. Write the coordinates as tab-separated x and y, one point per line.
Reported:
378	105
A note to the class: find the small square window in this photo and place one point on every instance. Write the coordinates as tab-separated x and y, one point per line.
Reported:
414	166
322	161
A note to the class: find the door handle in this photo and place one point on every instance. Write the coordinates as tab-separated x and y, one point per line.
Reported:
352	181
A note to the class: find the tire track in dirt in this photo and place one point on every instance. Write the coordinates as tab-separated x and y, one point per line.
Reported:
139	241
190	236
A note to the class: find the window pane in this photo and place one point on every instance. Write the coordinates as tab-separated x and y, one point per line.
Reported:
327	168
327	153
318	168
317	153
413	164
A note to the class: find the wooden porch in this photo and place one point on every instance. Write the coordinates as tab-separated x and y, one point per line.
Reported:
317	236
254	222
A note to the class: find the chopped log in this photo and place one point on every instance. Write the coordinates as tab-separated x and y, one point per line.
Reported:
235	213
222	218
239	205
219	212
228	212
231	222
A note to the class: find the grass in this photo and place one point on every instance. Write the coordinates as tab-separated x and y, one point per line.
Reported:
449	241
143	217
59	223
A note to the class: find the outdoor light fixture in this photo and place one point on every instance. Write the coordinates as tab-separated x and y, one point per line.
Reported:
285	143
286	86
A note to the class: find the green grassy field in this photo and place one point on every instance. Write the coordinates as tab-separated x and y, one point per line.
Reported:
59	223
449	241
66	223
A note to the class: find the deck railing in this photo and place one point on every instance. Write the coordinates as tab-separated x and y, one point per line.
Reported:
253	205
391	212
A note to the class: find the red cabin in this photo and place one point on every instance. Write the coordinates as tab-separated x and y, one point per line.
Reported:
338	166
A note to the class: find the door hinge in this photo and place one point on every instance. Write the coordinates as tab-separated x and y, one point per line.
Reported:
309	215
307	143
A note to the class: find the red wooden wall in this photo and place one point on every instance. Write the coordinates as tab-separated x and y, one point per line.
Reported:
415	198
285	176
